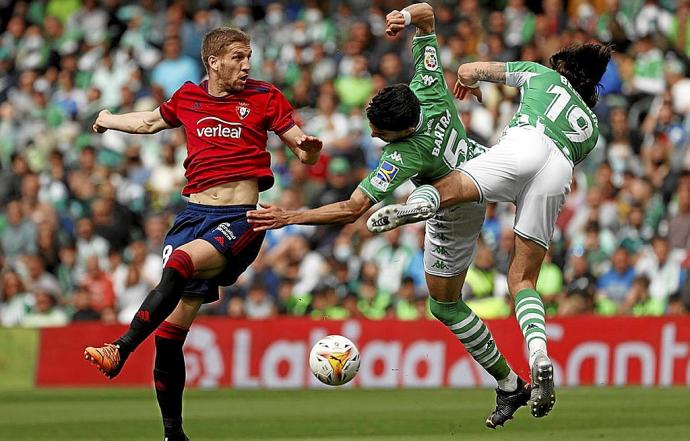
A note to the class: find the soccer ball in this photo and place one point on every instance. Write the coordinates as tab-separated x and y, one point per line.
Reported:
334	360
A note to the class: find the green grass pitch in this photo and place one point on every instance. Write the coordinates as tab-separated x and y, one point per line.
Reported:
339	415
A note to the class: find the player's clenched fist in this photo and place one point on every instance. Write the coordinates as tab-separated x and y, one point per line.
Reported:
99	124
395	22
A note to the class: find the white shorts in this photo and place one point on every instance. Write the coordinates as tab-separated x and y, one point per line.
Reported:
451	237
528	169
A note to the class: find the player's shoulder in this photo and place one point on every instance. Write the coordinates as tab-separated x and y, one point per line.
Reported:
259	86
528	66
191	86
188	87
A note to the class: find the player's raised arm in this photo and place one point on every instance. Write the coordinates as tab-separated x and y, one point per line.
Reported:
133	122
306	148
343	212
421	15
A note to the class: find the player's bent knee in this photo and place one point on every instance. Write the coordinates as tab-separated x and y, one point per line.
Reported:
207	260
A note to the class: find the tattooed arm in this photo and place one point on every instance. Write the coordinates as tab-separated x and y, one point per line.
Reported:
470	74
270	217
492	71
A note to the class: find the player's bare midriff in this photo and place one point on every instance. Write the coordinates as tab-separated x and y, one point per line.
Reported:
231	193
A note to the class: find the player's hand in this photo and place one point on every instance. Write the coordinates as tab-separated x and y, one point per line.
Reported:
98	125
460	91
395	22
269	217
309	144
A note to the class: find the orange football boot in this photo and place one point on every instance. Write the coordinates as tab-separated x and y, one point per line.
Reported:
106	358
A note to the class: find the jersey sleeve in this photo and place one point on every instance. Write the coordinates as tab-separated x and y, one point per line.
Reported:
428	81
519	72
399	162
279	113
169	109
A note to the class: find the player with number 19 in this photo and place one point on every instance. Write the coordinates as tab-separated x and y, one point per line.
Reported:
553	129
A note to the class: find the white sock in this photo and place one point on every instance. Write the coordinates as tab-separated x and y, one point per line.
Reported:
509	383
535	346
426	193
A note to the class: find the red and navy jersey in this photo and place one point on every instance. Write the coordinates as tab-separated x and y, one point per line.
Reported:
226	136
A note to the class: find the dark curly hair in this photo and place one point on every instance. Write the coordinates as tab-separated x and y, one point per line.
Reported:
583	66
394	108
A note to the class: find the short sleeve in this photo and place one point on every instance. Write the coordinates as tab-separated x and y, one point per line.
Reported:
279	113
399	162
519	72
428	80
169	110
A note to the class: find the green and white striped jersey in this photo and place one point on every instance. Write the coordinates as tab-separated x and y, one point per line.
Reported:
549	103
439	143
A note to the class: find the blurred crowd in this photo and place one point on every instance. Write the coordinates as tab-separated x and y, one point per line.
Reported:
83	216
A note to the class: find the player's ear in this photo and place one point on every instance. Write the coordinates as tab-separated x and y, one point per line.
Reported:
212	62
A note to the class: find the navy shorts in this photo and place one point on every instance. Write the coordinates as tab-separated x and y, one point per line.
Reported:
224	227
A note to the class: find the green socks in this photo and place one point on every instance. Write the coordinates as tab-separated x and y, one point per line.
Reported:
475	336
529	311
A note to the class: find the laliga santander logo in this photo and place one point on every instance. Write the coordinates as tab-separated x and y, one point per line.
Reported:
256	361
219	127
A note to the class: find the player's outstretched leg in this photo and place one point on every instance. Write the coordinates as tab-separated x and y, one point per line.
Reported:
512	392
421	205
529	311
157	306
169	377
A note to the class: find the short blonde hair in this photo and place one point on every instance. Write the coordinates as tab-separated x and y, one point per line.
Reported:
217	41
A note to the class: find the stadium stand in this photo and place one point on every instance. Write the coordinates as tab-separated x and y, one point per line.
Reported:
83	217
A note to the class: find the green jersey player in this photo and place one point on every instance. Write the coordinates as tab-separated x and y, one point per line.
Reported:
531	166
426	141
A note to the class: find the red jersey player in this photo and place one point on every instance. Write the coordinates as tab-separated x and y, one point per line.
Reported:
226	120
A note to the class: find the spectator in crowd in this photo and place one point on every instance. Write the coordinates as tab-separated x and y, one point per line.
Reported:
45	312
15	301
679	223
18	236
662	266
36	277
638	301
405	301
98	283
259	305
392	258
550	284
81	304
580	288
89	244
614	285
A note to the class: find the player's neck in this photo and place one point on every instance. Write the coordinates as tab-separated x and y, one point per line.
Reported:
217	90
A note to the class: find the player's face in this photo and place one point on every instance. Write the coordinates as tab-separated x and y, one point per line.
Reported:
233	67
389	135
